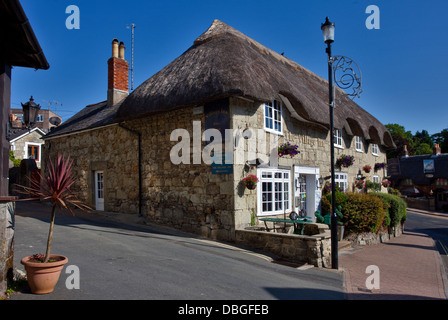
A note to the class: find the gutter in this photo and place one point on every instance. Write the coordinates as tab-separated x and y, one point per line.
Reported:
139	135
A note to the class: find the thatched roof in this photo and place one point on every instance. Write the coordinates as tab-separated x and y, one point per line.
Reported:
223	62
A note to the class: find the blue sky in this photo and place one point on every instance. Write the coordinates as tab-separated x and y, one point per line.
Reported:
404	63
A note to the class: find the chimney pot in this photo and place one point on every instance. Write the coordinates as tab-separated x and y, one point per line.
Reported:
121	50
115	48
405	151
437	150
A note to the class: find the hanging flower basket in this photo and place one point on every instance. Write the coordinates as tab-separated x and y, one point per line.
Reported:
288	149
367	168
250	182
359	184
379	166
385	183
345	161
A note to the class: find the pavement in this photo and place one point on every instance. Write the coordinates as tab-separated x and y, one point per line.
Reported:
409	267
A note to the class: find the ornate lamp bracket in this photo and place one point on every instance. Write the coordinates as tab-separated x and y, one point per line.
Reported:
347	75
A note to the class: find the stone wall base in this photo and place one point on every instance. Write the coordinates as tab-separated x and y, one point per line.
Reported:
314	250
6	244
368	238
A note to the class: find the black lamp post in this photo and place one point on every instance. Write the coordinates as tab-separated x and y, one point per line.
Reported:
328	33
30	113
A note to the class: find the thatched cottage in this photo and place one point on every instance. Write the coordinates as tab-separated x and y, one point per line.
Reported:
148	152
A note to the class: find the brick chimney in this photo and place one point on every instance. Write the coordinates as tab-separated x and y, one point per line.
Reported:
436	150
405	151
118	75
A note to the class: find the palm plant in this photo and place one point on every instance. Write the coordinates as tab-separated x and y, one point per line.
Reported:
55	186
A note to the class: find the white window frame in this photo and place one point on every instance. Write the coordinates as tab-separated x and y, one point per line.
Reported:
374	149
341	179
40	118
376	179
27	144
274	177
338	138
358	143
273	117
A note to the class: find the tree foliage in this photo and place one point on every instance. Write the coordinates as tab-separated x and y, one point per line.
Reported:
416	144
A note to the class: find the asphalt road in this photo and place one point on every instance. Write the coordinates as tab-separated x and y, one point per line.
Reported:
435	226
131	261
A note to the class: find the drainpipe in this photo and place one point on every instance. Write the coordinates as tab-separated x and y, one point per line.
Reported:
139	166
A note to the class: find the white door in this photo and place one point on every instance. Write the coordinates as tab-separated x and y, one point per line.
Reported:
306	190
99	194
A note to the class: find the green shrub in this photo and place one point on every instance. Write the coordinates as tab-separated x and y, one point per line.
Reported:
363	213
15	161
396	205
341	200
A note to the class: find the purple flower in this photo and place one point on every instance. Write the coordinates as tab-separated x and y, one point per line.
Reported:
288	149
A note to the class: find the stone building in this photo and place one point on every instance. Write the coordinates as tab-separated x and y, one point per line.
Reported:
227	97
423	179
27	144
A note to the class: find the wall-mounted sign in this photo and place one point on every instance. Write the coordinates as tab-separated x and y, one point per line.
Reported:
226	165
428	166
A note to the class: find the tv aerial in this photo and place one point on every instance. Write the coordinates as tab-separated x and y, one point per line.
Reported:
132	27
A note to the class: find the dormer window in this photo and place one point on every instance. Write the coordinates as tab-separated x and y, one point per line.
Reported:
338	138
358	144
374	149
273	117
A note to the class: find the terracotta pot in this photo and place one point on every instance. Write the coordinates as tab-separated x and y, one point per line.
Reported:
42	277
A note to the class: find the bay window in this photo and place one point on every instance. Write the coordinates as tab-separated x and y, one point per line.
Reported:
274	193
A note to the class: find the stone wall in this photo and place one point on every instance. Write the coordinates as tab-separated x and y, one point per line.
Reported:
314	250
186	196
6	244
111	149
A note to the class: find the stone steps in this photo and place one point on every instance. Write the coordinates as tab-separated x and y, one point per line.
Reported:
344	245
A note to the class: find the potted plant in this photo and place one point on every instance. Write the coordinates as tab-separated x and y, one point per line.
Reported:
345	161
43	270
367	168
250	182
288	149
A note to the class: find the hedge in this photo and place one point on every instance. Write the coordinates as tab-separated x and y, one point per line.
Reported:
396	205
363	213
360	212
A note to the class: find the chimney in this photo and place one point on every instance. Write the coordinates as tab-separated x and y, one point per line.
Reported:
118	75
436	150
405	151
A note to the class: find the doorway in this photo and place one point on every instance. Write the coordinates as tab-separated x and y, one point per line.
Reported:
99	190
307	194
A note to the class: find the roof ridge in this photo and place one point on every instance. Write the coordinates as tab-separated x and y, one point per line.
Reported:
219	28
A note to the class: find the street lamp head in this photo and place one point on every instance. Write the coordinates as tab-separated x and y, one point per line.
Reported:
30	112
328	31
